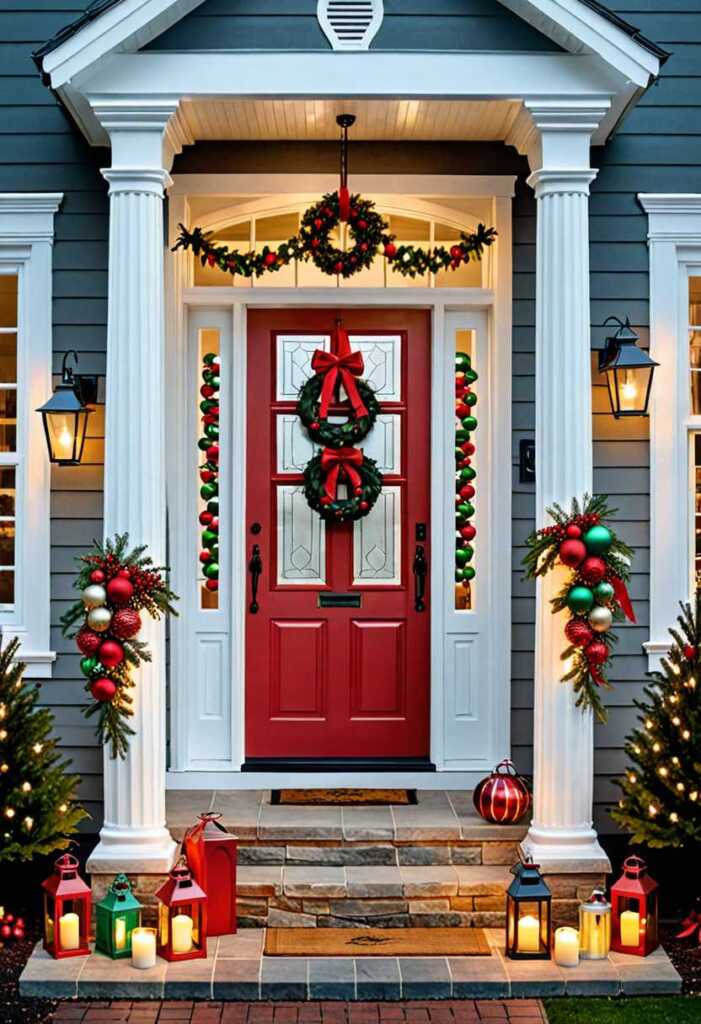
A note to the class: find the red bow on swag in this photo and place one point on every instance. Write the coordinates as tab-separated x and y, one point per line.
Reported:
341	462
344	363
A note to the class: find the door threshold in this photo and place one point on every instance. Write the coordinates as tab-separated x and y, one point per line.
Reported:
338	764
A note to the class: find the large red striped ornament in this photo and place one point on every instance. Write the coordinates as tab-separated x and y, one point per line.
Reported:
502	797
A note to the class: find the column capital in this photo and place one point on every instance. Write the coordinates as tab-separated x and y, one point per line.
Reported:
146	133
566	182
136	180
557	133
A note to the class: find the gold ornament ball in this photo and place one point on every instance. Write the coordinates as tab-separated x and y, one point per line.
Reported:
94	596
99	619
600	619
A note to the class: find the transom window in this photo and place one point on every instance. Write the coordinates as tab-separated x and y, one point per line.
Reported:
253	227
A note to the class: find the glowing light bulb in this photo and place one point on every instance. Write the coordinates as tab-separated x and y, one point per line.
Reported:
28	822
674	817
4	768
636	749
676	720
652	810
673	699
64	439
693	795
3	711
680	787
629	391
632	778
686	734
663	772
26	787
3	734
691	683
676	669
38	747
9	812
675	760
63	808
656	747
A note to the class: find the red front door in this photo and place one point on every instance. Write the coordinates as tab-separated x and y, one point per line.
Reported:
327	681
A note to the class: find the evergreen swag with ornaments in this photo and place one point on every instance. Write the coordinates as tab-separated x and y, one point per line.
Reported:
594	593
661	799
208	445
38	811
116	585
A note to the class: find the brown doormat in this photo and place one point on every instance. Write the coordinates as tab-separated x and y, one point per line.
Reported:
343	797
376	942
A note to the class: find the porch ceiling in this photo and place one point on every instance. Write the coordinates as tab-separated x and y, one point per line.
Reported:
405	119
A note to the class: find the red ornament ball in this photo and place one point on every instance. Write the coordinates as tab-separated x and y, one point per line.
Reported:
592	570
362	225
212	584
212	453
390	250
462	410
19	923
207	475
357	491
364	506
125	574
579	633
88	642
125	623
206	391
502	798
206	518
468	532
111	654
597	652
205	556
270	259
120	591
338	268
6	931
97	576
315	425
573	531
467	492
690	652
9	918
456	252
103	690
572	553
18	932
318	223
468	447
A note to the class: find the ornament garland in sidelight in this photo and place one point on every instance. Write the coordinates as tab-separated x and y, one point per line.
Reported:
116	586
594	593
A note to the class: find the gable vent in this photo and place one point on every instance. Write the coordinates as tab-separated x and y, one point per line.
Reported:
350	24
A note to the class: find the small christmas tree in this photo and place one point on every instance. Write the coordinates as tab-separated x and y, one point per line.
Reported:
37	808
661	803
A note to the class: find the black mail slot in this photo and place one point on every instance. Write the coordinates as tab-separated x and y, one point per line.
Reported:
327	599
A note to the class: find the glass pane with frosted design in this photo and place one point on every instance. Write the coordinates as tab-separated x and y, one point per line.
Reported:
465	471
8	300
207	483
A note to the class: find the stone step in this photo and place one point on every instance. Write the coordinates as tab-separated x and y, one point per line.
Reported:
381	896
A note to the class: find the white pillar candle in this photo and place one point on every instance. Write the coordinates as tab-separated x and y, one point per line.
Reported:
120	933
143	948
528	934
567	947
181	927
69	931
630	928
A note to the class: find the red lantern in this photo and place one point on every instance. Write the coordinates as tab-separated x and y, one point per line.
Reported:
502	798
211	856
182	917
67	902
634	913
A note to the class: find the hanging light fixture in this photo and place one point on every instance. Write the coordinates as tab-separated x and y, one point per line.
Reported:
65	415
629	371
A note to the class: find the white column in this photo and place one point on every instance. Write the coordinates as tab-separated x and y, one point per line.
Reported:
134	836
563	734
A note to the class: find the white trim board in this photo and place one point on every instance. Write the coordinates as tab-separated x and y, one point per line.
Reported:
674	240
188	781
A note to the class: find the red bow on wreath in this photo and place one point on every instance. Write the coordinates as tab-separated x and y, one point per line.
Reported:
342	362
341	461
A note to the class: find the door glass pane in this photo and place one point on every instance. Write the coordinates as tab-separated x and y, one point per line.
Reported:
301	538
8	300
377	541
208	466
465	474
695	343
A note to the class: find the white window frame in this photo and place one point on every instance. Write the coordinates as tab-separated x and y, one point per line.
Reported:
26	241
674	239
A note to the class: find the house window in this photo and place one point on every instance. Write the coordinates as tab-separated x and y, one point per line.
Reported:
695	343
26	242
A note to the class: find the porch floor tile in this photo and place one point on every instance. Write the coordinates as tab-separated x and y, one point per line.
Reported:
237	970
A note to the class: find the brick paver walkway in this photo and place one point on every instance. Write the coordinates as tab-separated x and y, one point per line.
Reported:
468	1011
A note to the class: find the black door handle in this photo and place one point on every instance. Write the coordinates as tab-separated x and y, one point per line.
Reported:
255	567
420	571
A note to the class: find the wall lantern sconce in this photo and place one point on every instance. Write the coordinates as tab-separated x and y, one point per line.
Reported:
629	371
65	415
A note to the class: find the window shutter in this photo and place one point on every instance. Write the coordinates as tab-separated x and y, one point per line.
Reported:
350	24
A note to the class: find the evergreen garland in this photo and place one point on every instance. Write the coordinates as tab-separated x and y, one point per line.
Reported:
38	810
342	510
661	799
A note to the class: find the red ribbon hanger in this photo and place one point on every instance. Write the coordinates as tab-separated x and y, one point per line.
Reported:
341	462
343	363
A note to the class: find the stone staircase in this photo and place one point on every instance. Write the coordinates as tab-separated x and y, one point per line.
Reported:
435	863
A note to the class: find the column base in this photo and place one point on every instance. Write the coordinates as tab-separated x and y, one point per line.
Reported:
133	850
566	850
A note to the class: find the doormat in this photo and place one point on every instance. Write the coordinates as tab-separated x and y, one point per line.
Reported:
343	797
376	942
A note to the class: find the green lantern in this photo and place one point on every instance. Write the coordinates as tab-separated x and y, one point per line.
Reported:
597	540
603	591
116	917
580	599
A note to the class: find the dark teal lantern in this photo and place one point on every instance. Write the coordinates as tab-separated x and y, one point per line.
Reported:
117	915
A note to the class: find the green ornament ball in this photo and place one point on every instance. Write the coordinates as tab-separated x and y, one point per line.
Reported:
462	361
209	358
212	431
465	509
204	443
458	575
470	398
211	571
462	557
597	540
214	552
580	599
460	520
209	538
470	376
603	591
469	472
462	435
467	548
208	491
215	382
88	666
468	573
206	404
459	454
213	507
469	423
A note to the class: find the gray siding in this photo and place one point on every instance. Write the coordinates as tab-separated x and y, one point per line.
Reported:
407	25
41	151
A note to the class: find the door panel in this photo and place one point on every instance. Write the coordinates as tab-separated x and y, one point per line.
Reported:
351	681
